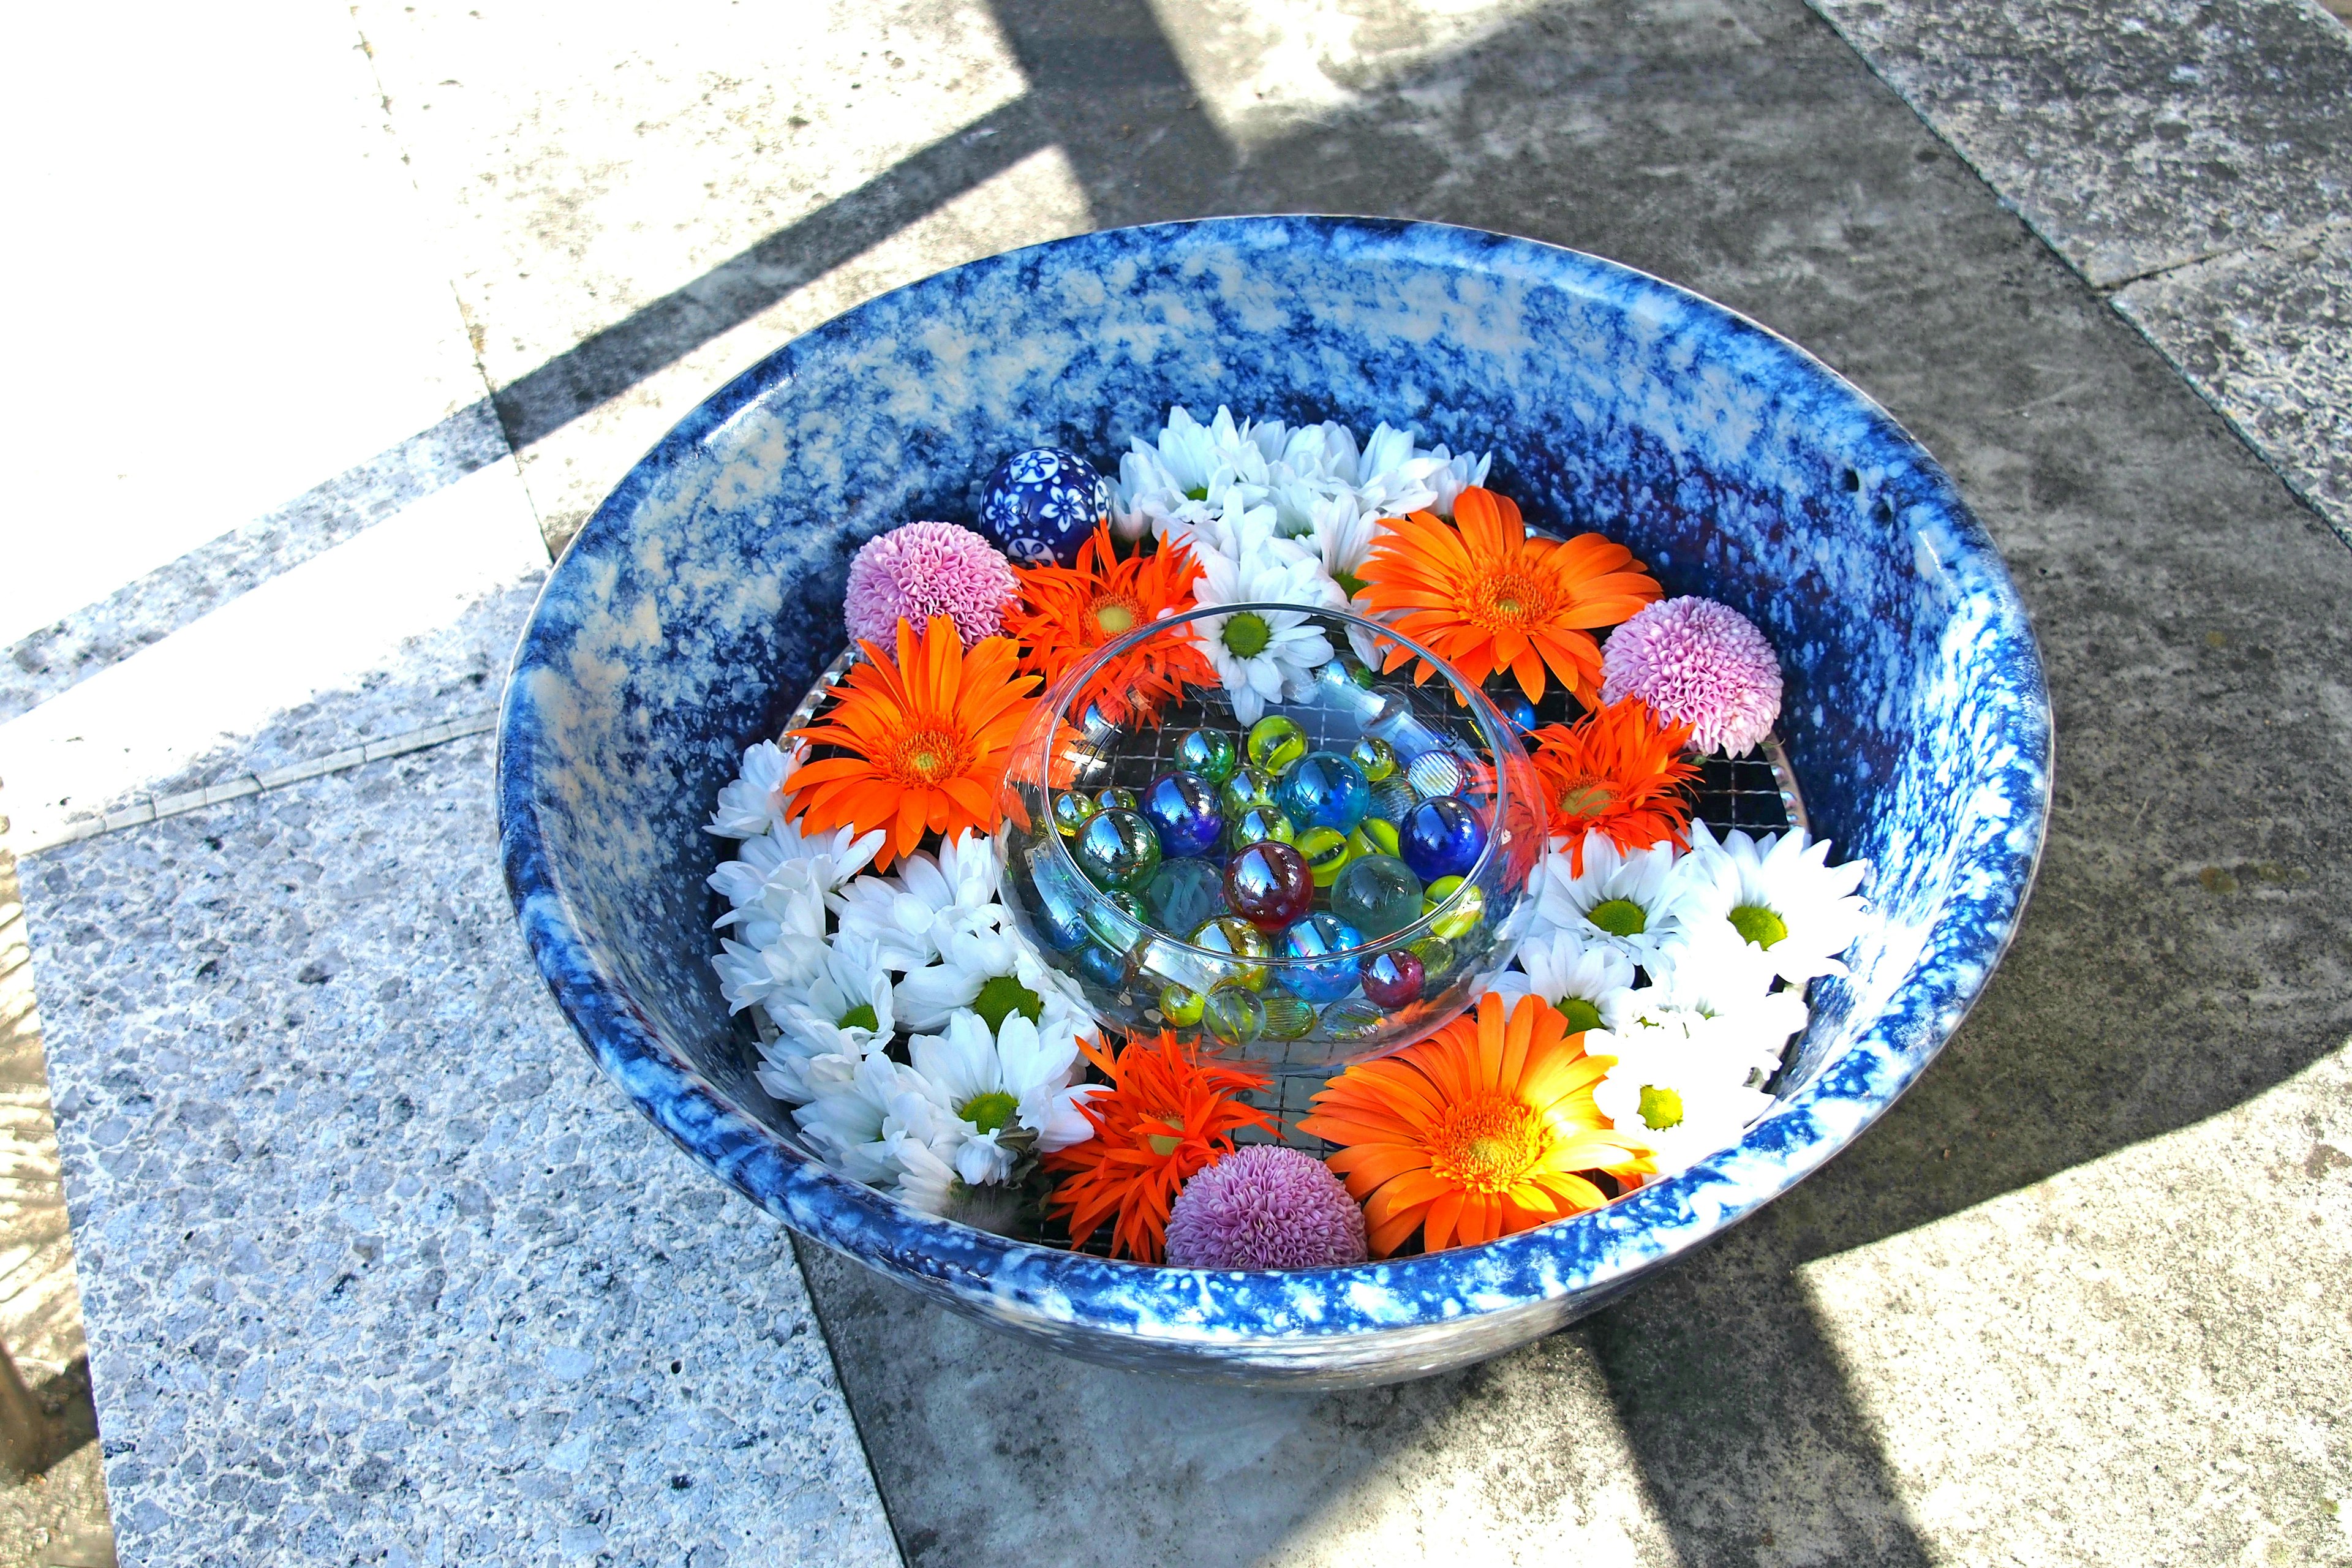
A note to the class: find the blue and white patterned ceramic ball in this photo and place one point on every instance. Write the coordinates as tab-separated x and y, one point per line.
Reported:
1040	505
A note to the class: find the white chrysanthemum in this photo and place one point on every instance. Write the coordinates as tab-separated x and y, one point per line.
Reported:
993	1087
1584	980
1454	475
849	1122
838	1005
996	974
775	950
775	866
1262	654
1682	1093
1394	477
906	916
1192	470
1629	903
1776	898
753	802
1705	993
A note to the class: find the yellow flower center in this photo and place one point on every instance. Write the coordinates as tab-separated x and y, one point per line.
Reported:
1487	1143
926	755
1162	1143
1508	594
1586	797
1759	925
1114	616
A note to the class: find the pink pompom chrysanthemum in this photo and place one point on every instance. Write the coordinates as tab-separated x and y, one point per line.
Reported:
1698	663
928	569
1264	1206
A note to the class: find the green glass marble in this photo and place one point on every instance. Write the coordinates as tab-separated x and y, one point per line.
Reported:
1378	894
1255	826
1211	753
1439	961
1463	917
1354	1018
1117	920
1180	1007
1288	1017
1233	1015
1118	851
1275	742
1373	836
1244	942
1246	788
1375	759
1115	799
1071	810
1325	850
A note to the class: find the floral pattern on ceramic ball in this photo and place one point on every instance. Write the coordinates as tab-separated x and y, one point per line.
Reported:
1040	505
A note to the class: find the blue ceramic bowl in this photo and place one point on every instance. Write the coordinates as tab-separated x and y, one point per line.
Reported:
699	605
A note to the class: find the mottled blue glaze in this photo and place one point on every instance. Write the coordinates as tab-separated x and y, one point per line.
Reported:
1040	504
704	596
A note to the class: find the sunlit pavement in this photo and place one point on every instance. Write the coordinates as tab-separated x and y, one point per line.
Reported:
344	317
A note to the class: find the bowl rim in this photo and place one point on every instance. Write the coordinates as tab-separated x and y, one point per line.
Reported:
1194	1314
1479	705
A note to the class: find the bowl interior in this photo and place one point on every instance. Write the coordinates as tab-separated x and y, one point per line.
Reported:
704	596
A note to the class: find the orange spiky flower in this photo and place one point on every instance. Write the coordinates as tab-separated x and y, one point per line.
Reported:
1165	1115
1061	615
1619	771
1485	595
1477	1132
927	738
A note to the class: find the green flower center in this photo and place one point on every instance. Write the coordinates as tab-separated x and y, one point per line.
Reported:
1197	492
1621	916
1001	996
990	1112
1759	925
1661	1107
1114	617
1165	1144
861	1016
1246	634
1580	1015
1586	799
1350	583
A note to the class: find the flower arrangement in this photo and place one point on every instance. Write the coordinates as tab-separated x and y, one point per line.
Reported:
1651	981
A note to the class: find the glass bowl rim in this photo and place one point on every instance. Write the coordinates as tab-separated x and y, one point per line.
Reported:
1057	699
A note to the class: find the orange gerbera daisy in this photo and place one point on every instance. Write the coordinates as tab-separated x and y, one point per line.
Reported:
926	738
1063	614
1477	1132
1616	771
1165	1115
1484	595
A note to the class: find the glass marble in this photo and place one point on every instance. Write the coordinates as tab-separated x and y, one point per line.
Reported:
1180	1007
1062	900
1439	960
1374	835
1115	799
1440	838
1325	850
1182	809
1393	797
1391	979
1071	810
1325	789
1104	967
1246	788
1233	1015
1184	893
1469	906
1288	1017
1433	773
1378	894
1521	713
1209	754
1117	920
1354	1018
1117	851
1275	743
1315	937
1258	825
1374	758
1244	942
1268	885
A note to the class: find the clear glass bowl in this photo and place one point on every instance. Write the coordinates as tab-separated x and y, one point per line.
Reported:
1294	1008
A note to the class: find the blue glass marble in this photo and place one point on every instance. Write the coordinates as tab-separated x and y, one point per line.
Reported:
1440	838
1182	809
1735	465
1117	851
1521	713
1104	967
1312	937
1062	901
1325	790
1183	894
1040	505
1377	894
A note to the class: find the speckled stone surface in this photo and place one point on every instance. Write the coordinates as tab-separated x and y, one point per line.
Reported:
695	607
2136	136
2266	335
376	1267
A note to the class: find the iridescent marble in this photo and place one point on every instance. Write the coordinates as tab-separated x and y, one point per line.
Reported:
1184	893
1440	838
1248	946
1268	885
1182	809
1378	894
1117	851
1374	758
1248	787
1258	825
1312	937
1275	743
1324	789
1209	754
1391	979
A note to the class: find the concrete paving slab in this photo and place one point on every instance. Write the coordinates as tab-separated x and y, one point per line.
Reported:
376	1267
2266	335
2133	137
